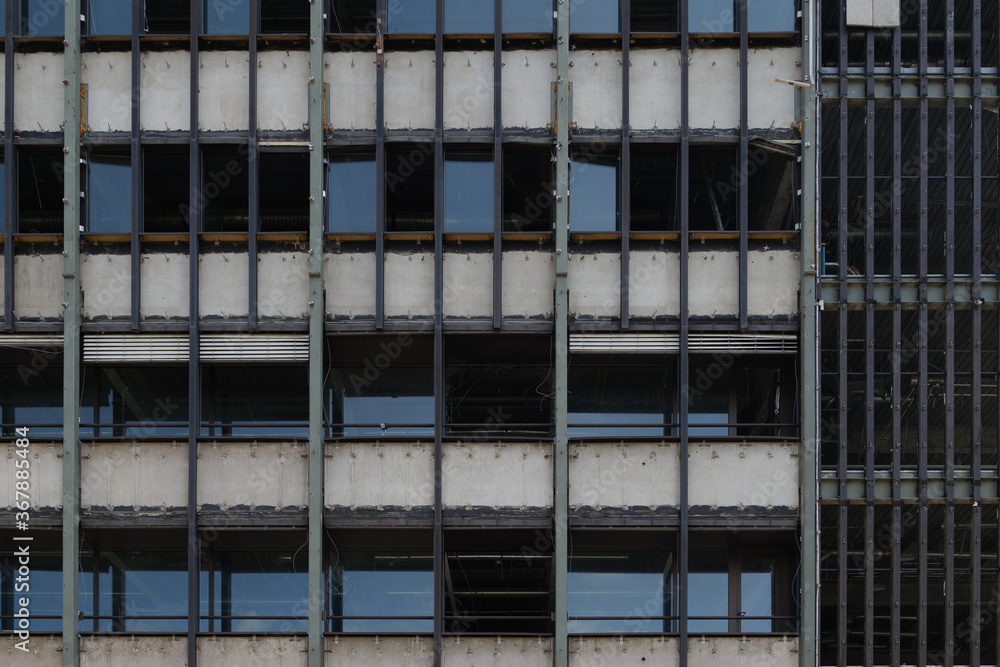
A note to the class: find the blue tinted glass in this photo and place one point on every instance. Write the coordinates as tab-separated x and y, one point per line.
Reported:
709	410
593	196
756	593
227	17
711	16
109	195
138	402
248	400
613	397
31	393
468	194
109	17
42	18
708	591
465	17
411	17
388	585
771	15
250	584
351	195
44	590
632	587
527	16
3	191
594	17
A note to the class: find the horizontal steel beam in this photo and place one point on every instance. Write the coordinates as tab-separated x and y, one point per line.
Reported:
909	291
909	487
937	88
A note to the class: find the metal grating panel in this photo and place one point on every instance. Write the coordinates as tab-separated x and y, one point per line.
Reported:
250	347
31	342
134	348
670	343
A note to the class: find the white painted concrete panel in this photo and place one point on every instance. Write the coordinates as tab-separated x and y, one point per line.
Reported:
283	284
108	77
625	650
409	90
771	105
349	279
257	651
656	104
166	91
714	282
223	101
595	285
468	284
38	92
527	82
350	89
715	88
654	279
271	474
46	651
106	283
773	282
596	77
495	475
409	284
219	276
529	283
379	651
468	89
132	651
163	287
39	284
740	651
623	475
755	474
45	467
134	474
379	475
282	79
496	652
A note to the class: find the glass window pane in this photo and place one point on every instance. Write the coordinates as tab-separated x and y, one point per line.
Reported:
3	196
654	16
260	583
711	16
109	194
465	17
632	585
611	396
411	17
757	593
255	400
352	16
42	18
167	17
771	15
594	17
225	17
145	583
708	591
108	17
526	16
31	392
373	584
351	194
468	192
593	186
40	191
284	17
225	190
45	586
166	189
527	189
709	402
132	401
284	192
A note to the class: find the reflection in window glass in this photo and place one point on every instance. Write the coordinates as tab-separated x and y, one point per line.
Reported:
468	191
109	194
40	191
224	17
352	16
527	189
711	16
526	16
249	584
653	190
606	397
167	17
351	194
42	18
135	401
593	187
284	195
45	587
255	400
366	584
134	584
3	195
715	190
631	584
412	17
468	17
409	188
166	189
108	17
31	392
284	17
771	16
708	591
225	190
594	17
757	593
708	413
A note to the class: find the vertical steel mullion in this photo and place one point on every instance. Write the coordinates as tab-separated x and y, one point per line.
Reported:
744	187
897	333
380	174
683	358
136	161
253	168
869	611
977	335
949	425
10	171
922	434
497	164
625	182
843	259
438	325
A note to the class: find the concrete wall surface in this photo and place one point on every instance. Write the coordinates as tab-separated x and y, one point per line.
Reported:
496	652
105	279
354	72
46	475
284	78
265	474
490	474
734	651
132	474
39	283
379	651
164	79
349	278
468	284
38	92
223	100
595	285
756	474
283	284
623	475
164	280
526	94
133	651
43	651
409	284
108	78
409	90
221	275
468	89
219	651
379	475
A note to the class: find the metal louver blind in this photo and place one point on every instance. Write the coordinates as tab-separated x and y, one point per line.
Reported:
670	343
254	347
134	347
31	342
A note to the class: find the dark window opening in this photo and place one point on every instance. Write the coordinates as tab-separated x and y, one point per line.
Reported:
654	16
255	400
166	189
611	396
40	191
167	17
351	193
107	17
108	194
468	190
222	17
527	189
42	18
653	190
133	401
593	187
468	17
594	17
714	190
31	384
352	16
283	194
225	190
284	17
412	17
409	186
526	16
771	172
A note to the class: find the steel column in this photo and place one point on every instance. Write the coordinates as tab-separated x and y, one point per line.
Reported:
10	172
744	162
497	165
842	524
138	14
438	326
253	161
625	183
975	631
869	562
683	358
380	168
895	623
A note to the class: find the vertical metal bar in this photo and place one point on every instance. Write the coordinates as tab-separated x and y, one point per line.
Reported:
949	425
975	631
317	312
71	333
10	172
683	359
869	562
253	165
138	9
380	174
438	325
744	186
842	526
897	333
497	164
923	338
626	163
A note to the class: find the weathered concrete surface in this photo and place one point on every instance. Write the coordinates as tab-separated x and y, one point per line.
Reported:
379	651
624	475
285	77
164	280
409	284
655	105
596	77
223	101
133	651
614	651
468	284
529	282
496	652
349	279
39	284
714	282
715	88
654	278
44	651
266	474
38	92
379	475
46	475
106	283
771	105
409	90
497	475
257	651
739	651
108	78
773	282
355	72
166	91
124	474
756	474
527	88
468	89
595	285
222	290
283	284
